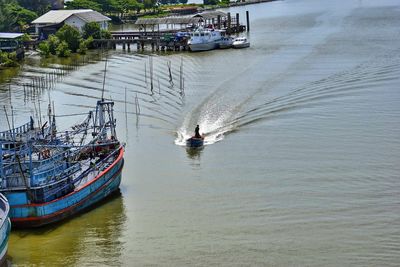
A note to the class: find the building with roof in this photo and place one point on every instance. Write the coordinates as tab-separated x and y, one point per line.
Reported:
53	20
183	22
10	42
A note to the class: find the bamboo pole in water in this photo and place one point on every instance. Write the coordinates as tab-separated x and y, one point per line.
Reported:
170	73
151	73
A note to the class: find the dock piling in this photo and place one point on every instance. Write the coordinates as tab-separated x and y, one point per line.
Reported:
248	21
229	23
237	23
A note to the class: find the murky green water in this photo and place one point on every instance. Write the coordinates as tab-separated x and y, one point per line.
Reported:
302	162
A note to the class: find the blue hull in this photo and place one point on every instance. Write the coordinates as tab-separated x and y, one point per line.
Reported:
195	142
35	215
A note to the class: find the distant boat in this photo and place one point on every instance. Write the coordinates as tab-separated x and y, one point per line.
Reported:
225	42
240	42
195	142
204	39
5	227
47	180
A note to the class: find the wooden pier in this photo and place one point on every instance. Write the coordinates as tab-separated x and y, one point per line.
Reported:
157	39
163	40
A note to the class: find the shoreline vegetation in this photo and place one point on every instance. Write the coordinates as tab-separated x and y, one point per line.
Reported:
16	16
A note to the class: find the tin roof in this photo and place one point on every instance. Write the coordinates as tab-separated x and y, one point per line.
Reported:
91	16
58	16
10	35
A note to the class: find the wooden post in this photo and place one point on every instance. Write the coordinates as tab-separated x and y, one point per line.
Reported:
237	23
248	21
229	23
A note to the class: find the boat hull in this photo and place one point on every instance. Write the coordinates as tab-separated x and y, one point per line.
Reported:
36	215
5	228
203	46
194	142
241	45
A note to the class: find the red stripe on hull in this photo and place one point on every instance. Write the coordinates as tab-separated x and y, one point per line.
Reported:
37	221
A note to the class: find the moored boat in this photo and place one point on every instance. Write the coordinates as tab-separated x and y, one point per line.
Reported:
240	42
46	181
204	39
5	227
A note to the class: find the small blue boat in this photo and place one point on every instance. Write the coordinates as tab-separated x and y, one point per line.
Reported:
195	142
5	227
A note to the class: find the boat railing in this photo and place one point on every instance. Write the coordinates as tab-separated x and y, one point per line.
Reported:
62	176
98	165
12	133
40	164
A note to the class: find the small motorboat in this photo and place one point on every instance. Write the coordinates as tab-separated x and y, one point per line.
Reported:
240	42
195	142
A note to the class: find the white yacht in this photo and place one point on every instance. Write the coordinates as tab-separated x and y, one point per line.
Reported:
240	42
204	39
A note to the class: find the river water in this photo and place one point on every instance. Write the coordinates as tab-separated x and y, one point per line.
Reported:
301	166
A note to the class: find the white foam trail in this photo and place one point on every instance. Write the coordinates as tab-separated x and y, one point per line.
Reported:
213	131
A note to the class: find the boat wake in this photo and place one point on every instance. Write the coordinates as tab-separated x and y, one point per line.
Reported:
219	115
212	131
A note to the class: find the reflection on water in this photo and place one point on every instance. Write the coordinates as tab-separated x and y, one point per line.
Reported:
93	236
302	147
194	152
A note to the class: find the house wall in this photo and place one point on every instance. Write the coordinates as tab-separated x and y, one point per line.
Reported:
76	22
79	23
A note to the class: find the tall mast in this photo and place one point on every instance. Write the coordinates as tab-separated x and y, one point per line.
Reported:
104	80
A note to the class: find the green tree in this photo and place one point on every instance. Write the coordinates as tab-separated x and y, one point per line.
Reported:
70	35
105	34
91	29
85	45
38	6
8	59
210	2
108	6
84	4
63	49
53	43
44	49
13	17
148	4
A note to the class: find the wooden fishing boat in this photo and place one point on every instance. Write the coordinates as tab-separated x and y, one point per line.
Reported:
48	180
5	227
195	142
